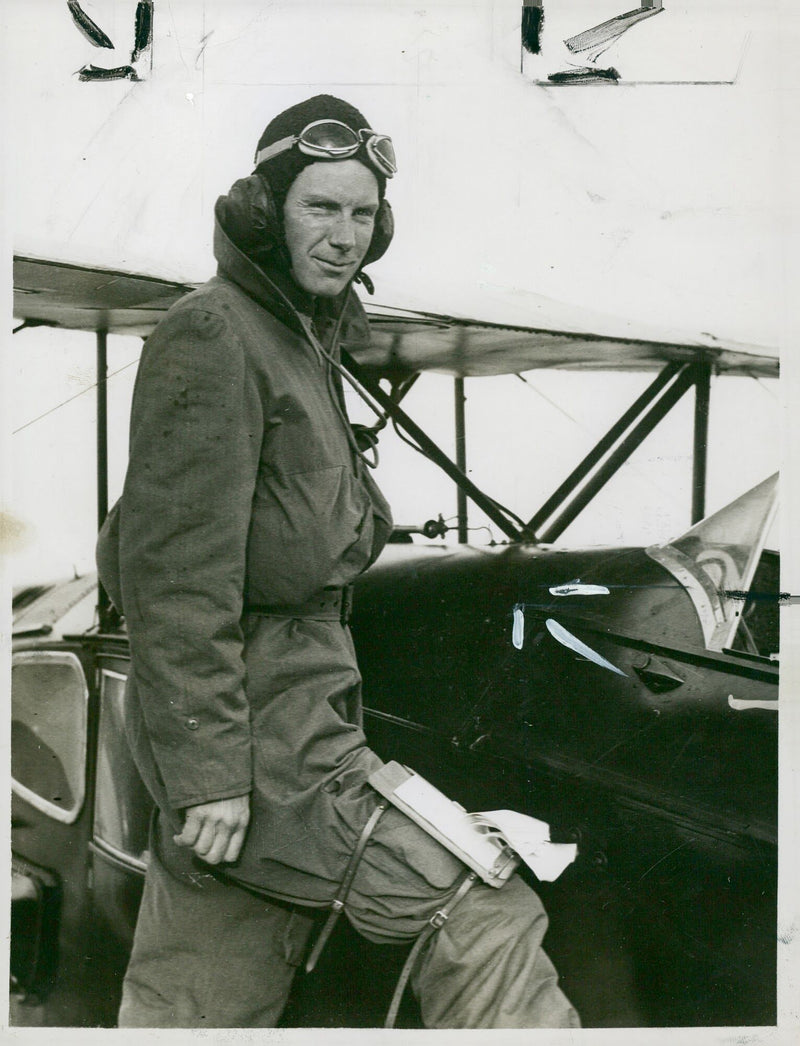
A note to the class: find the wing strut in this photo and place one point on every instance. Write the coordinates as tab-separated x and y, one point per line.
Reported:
604	445
702	402
649	409
461	457
435	453
103	602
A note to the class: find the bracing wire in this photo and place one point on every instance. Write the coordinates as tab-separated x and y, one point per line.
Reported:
70	399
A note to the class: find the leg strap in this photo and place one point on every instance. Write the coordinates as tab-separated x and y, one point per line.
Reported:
437	920
337	904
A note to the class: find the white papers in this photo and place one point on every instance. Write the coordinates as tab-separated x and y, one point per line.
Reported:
416	795
529	838
487	836
491	843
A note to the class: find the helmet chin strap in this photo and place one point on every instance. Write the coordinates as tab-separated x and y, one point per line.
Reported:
361	277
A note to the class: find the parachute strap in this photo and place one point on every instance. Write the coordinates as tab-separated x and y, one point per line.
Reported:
436	921
337	904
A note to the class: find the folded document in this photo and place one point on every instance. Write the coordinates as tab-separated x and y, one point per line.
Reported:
490	843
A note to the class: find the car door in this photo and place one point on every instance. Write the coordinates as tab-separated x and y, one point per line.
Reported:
51	767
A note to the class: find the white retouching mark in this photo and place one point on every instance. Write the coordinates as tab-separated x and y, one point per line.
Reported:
578	588
740	705
518	631
561	635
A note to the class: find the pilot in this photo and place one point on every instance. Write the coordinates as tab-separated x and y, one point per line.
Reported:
248	510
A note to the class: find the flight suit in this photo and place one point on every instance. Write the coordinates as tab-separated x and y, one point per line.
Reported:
246	511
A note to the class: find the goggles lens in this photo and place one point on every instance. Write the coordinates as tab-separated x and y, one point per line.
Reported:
330	138
336	140
381	152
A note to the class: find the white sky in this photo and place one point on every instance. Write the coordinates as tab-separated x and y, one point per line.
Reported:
658	206
651	210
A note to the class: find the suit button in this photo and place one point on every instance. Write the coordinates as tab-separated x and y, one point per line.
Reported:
192	724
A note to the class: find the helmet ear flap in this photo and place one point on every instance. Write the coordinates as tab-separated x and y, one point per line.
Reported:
381	235
250	215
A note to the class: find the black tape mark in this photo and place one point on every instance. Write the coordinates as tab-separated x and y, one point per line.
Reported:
585	75
93	33
762	597
120	72
144	29
532	25
143	40
600	37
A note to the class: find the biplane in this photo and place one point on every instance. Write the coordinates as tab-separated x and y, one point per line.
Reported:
627	695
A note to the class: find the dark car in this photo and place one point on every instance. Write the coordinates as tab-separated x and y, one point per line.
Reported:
626	696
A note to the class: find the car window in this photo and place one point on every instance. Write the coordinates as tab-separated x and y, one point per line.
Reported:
48	731
122	804
724	565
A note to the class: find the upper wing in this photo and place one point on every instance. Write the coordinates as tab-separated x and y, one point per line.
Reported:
403	342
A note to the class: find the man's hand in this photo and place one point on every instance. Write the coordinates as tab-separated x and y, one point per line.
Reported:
215	831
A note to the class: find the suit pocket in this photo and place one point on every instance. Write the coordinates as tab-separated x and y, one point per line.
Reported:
310	529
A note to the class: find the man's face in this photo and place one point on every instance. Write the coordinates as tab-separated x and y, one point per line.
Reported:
328	218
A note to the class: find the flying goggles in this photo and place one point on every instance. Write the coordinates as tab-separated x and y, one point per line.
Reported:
334	140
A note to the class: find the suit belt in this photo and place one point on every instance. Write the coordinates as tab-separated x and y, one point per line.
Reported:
329	604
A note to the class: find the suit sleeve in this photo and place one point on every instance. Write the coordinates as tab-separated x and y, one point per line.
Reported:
196	429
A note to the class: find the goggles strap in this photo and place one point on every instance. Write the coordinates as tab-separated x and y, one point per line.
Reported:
275	149
366	138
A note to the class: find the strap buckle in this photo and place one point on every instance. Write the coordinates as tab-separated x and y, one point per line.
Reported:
436	922
438	919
